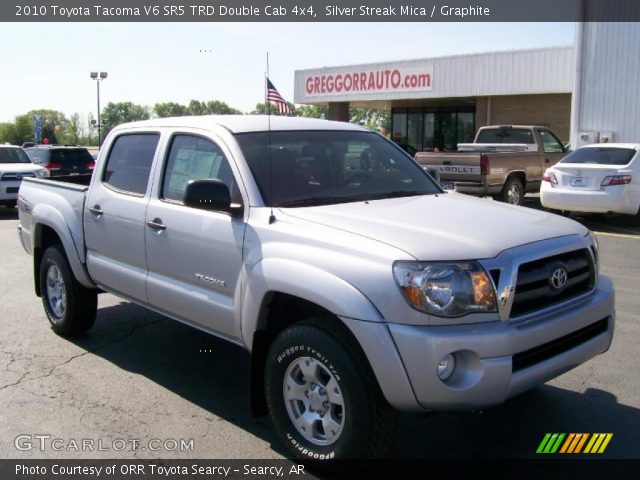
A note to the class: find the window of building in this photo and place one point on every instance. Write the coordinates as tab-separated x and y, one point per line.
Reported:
431	127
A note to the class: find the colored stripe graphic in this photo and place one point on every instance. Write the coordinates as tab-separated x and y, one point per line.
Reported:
574	443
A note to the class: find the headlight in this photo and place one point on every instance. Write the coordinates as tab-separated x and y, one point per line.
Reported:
446	289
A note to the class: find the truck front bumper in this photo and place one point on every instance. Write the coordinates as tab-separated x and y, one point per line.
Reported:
496	360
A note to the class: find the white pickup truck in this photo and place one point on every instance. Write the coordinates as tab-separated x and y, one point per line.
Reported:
355	289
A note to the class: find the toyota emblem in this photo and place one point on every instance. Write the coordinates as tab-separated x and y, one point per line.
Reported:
558	278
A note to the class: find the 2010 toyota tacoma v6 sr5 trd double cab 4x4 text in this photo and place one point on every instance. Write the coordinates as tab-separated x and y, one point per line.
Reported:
357	291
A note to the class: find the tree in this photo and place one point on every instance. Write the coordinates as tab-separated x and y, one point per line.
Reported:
196	107
216	107
312	111
75	130
116	113
371	118
169	109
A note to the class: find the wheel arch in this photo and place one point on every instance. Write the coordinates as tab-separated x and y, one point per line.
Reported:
45	235
278	311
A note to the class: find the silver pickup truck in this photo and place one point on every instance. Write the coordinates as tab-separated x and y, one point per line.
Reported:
358	285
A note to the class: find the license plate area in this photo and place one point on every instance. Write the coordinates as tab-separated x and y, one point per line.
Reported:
578	182
450	186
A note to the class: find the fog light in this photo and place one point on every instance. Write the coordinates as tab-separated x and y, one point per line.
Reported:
446	367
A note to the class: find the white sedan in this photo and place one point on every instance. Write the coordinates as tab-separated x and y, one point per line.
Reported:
600	178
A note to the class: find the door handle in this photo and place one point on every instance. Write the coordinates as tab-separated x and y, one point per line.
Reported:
96	210
156	224
546	160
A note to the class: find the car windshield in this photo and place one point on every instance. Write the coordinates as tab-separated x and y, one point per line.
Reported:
13	155
600	156
325	167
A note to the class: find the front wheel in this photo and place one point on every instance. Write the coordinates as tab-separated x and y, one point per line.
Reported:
70	307
323	397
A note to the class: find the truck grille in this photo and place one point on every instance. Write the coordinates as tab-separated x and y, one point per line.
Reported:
536	288
12	176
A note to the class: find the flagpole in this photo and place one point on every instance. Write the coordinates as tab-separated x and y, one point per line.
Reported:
272	217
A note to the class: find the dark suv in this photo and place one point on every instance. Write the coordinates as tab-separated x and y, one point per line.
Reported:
62	159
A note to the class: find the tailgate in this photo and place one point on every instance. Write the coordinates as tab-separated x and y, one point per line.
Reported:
453	167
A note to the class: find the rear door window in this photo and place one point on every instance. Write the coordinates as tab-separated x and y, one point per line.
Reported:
600	156
129	162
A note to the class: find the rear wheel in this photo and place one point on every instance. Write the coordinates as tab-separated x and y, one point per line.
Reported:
323	397
70	307
512	192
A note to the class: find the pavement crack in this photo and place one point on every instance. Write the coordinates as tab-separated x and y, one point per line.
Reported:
129	334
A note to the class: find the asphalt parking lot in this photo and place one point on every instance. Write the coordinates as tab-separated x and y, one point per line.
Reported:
138	375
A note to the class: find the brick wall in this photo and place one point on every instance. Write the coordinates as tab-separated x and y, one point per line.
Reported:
553	110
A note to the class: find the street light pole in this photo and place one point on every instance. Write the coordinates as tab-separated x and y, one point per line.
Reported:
98	77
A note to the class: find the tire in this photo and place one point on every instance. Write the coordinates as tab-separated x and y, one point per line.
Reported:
70	307
512	192
331	385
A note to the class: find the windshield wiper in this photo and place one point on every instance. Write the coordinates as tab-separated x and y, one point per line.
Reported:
397	194
311	201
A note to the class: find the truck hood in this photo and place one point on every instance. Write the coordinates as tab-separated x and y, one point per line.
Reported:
441	227
19	167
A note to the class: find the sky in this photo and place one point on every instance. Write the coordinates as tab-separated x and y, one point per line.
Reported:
47	65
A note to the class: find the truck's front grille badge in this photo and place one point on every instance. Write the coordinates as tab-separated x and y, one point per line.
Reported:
552	280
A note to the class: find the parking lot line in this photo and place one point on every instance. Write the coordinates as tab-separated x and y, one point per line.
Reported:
618	235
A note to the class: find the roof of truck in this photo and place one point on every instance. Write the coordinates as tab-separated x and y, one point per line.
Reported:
244	123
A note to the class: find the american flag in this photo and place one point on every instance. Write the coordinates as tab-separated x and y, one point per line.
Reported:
275	97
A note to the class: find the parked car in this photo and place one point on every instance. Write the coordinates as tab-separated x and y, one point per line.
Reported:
62	159
601	178
354	290
504	161
14	166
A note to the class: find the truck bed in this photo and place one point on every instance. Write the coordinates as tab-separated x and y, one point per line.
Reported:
54	201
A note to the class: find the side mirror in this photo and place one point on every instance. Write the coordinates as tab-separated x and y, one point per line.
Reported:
210	194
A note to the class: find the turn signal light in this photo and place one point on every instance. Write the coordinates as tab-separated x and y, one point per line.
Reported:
615	180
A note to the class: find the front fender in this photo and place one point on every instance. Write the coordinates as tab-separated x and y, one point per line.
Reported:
303	281
45	215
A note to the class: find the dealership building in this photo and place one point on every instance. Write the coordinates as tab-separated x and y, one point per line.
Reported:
586	92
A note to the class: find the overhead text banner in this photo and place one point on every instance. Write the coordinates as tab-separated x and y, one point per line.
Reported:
319	11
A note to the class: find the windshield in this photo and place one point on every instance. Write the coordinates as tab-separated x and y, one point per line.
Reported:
324	167
600	156
13	155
